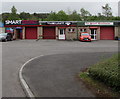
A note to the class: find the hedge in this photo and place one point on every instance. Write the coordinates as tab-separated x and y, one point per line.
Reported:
107	71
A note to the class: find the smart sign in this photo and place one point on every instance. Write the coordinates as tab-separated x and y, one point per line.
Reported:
21	22
13	22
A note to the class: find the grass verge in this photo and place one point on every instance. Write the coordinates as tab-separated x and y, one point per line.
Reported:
103	78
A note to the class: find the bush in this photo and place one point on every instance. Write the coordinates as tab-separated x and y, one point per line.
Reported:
108	72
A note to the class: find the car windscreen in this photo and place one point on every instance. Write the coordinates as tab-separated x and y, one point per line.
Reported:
85	34
3	34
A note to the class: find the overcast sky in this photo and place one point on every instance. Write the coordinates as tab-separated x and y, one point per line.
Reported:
94	6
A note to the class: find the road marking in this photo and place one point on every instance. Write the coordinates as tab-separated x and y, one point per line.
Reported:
24	84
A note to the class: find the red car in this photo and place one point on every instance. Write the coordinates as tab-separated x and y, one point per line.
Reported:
85	37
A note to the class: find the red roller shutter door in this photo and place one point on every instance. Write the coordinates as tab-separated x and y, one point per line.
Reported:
49	33
107	33
31	33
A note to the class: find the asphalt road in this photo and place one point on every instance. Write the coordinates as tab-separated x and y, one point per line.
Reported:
57	75
16	53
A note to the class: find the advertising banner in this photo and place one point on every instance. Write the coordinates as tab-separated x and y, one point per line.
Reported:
21	22
99	23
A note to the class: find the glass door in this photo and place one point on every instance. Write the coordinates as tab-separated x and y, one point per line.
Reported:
61	34
93	33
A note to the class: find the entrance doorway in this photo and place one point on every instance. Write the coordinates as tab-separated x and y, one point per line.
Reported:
18	33
106	33
49	33
61	34
93	33
30	32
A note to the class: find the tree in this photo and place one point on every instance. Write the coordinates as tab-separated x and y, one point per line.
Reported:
62	16
13	15
52	16
99	14
74	16
107	11
41	16
24	16
84	14
5	16
13	10
32	17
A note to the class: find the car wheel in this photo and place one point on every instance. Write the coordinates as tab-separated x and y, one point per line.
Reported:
11	39
5	40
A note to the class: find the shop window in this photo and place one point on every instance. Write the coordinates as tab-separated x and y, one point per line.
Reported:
83	30
71	30
61	31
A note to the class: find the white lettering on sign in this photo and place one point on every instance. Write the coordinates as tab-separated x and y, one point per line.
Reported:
99	23
56	23
13	22
59	23
67	23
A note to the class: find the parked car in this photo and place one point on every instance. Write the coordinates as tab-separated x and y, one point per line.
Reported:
85	37
6	37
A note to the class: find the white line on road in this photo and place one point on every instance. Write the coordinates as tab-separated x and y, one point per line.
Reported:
25	86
